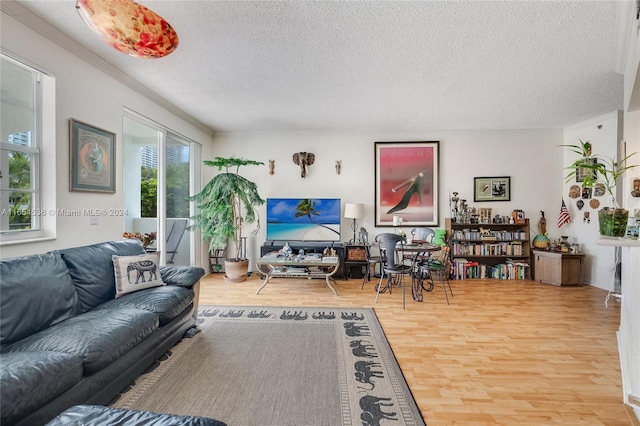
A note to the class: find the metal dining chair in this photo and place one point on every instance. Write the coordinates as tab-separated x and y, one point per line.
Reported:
372	261
423	234
392	269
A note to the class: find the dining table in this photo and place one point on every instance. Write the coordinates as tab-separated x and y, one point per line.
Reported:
418	252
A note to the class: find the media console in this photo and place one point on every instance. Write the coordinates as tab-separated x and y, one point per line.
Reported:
308	247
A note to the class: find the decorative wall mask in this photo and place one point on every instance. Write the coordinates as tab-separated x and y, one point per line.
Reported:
272	166
574	191
304	159
586	218
580	204
338	166
594	203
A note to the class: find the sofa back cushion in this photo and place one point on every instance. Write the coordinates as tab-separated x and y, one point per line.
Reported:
91	268
37	292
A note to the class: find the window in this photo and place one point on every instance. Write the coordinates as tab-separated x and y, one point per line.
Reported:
19	147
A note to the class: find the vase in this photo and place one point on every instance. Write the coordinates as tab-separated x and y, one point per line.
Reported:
613	222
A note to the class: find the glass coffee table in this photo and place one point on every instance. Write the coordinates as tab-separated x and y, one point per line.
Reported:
274	265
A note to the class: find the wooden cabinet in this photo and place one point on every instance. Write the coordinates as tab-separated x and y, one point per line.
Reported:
558	268
491	250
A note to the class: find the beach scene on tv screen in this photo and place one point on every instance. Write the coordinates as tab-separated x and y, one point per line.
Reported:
303	219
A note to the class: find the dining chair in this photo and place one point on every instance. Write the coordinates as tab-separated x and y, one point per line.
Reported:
423	234
439	268
392	269
372	261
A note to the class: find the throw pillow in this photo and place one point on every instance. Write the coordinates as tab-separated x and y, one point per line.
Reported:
135	273
439	238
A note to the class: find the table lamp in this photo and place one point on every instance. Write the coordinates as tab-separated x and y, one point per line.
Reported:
354	211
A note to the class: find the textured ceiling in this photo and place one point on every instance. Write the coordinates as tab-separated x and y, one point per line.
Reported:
379	66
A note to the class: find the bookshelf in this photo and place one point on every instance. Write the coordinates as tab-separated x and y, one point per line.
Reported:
489	250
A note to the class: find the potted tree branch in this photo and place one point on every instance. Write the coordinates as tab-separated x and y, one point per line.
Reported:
225	204
605	171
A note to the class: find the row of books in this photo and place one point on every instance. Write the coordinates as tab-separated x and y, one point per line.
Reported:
499	235
513	248
510	270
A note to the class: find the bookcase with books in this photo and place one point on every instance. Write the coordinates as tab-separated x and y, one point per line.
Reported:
489	250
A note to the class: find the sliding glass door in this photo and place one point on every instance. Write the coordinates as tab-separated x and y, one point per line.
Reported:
159	176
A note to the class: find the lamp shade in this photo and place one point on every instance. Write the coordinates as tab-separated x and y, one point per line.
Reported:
129	27
354	210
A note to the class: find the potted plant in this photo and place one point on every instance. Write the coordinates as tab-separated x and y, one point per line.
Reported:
225	204
604	171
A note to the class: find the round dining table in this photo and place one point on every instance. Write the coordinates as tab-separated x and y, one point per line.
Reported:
419	253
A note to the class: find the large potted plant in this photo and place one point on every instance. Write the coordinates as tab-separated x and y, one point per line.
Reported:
225	204
605	171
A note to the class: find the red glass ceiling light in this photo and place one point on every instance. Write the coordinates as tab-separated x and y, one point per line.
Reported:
129	27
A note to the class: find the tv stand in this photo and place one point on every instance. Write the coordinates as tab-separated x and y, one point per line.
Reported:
308	247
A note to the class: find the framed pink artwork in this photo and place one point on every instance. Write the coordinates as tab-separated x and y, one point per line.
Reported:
406	179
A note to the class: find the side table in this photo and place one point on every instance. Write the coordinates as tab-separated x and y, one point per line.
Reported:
558	268
355	260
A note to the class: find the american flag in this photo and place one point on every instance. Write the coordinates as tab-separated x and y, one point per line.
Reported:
564	217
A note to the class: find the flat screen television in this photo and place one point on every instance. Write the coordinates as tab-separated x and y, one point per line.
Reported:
303	219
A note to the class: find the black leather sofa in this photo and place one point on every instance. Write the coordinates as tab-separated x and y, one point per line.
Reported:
66	340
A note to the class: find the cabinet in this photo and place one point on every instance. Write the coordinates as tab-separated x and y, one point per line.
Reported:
491	250
558	268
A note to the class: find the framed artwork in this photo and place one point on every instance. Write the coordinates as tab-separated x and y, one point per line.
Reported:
492	188
582	172
406	180
92	158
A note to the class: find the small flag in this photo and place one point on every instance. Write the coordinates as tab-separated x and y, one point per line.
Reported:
564	217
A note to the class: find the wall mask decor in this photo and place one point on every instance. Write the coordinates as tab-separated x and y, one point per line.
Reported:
272	166
304	159
338	166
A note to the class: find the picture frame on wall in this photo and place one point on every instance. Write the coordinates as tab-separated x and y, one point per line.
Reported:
406	183
92	158
496	188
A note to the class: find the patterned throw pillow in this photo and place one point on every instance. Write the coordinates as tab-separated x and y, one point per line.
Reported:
135	273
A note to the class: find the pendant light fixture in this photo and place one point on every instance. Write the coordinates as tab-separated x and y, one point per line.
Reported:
129	27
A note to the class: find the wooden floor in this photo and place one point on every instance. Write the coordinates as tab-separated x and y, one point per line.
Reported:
503	352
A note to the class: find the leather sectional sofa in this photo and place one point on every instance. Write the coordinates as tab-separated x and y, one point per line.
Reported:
65	339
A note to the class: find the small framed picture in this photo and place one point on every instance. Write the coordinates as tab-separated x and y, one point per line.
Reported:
492	188
582	173
633	231
92	158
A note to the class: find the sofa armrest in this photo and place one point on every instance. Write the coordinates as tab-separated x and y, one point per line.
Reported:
183	276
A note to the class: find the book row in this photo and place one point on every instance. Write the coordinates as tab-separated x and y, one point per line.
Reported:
464	269
513	248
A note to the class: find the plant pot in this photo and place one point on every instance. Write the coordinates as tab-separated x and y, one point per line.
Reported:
236	270
613	222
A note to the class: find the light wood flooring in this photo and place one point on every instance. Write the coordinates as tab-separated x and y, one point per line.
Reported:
503	352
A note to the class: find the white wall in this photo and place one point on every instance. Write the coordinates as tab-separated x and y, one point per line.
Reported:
530	157
85	93
604	133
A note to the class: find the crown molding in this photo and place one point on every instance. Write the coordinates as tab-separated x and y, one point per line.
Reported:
42	27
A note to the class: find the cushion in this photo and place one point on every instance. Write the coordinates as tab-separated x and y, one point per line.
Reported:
37	292
184	276
135	273
98	337
439	238
29	380
91	269
167	301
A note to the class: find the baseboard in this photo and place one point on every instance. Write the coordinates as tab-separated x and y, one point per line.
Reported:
635	421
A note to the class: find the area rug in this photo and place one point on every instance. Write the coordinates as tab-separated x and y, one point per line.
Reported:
281	366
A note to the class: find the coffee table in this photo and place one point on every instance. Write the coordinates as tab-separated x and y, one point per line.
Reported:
273	265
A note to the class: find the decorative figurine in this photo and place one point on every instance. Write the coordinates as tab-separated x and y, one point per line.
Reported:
338	166
272	166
